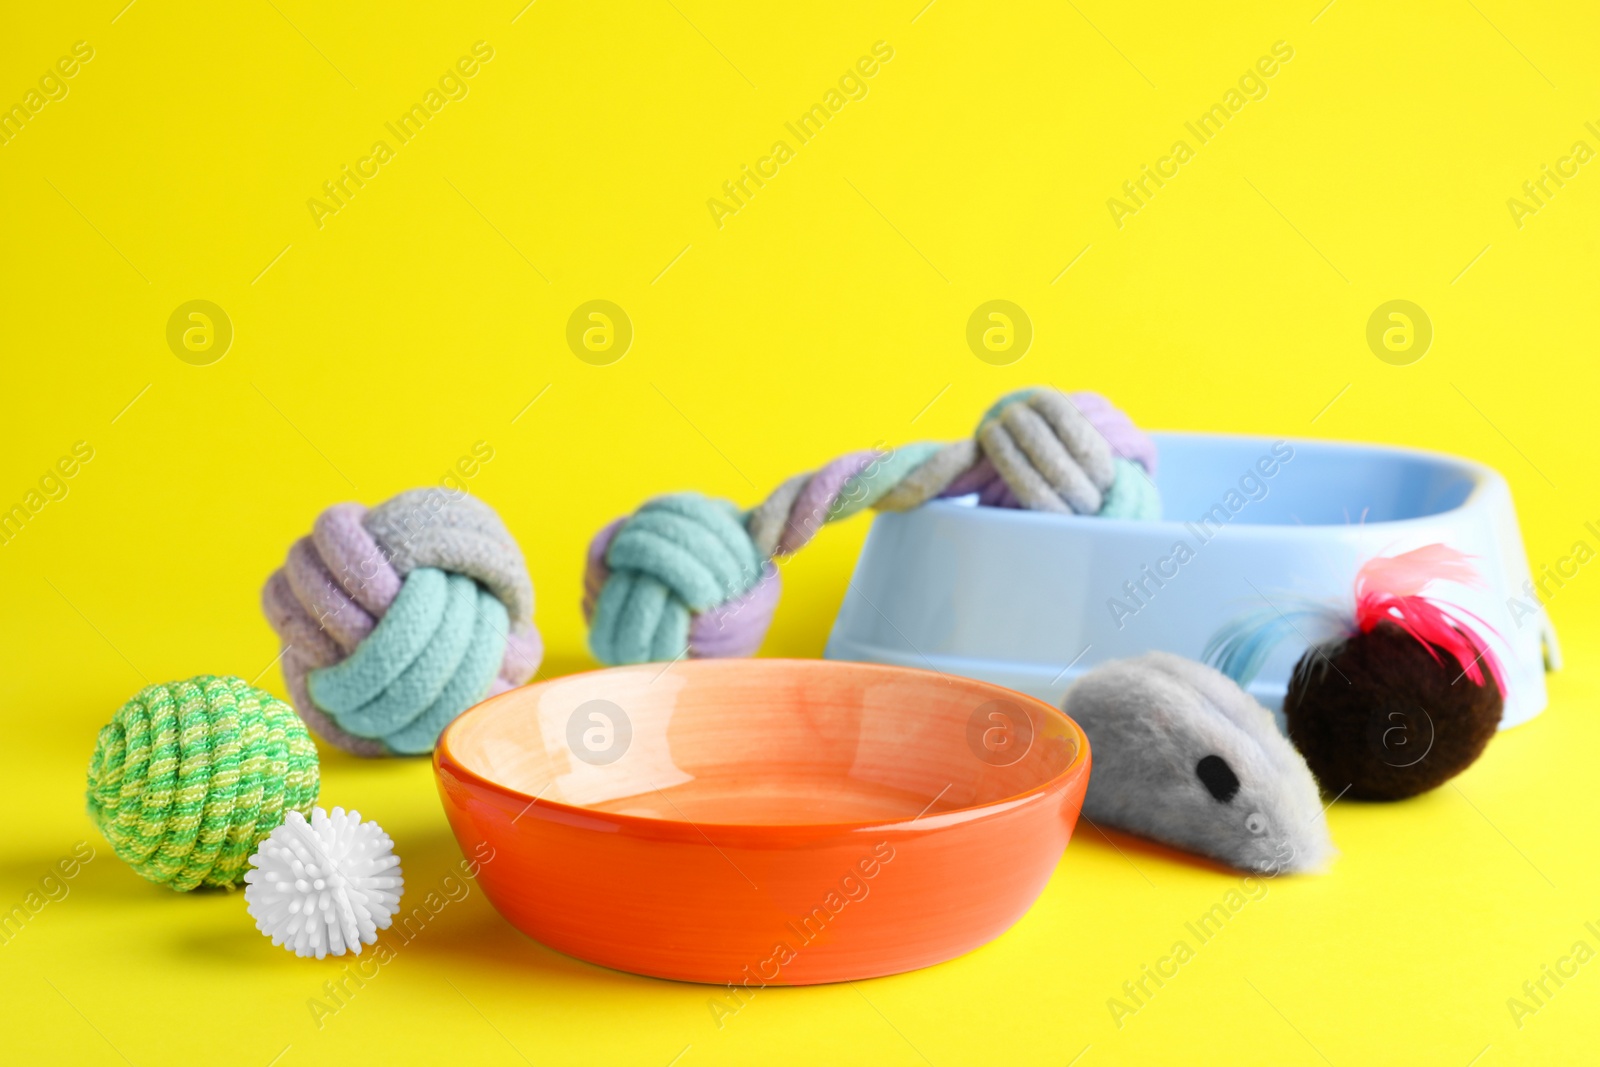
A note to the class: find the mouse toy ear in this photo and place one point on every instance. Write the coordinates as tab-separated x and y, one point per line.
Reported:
1406	698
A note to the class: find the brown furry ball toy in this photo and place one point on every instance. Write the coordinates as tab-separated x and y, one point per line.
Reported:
1382	716
1403	697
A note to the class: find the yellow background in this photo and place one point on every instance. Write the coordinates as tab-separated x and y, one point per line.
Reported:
826	315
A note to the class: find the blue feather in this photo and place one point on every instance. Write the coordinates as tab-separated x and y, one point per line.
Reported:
1241	647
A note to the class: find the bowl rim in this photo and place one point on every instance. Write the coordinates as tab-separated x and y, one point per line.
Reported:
686	829
1485	478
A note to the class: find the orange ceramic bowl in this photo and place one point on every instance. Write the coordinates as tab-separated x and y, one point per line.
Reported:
763	822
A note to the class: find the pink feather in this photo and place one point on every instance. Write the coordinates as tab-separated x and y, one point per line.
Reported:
1389	589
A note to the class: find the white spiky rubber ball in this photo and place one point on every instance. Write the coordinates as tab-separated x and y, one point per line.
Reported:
322	887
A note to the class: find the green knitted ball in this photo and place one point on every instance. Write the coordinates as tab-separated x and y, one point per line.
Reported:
190	776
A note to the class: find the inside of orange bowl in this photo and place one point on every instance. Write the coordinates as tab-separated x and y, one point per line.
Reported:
766	742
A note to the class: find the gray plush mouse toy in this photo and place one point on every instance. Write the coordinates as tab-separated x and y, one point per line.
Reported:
1182	755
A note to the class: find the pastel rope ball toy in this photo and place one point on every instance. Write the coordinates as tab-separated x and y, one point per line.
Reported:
688	575
189	776
396	620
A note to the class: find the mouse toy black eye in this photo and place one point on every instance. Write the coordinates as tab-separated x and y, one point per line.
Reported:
1218	778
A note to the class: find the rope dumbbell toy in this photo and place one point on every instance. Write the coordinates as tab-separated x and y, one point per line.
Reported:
686	574
397	619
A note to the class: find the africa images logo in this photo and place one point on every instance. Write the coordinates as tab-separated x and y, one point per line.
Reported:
852	85
1252	85
452	85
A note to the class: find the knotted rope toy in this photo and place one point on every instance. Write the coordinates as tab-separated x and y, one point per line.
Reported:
189	776
689	575
1399	695
396	620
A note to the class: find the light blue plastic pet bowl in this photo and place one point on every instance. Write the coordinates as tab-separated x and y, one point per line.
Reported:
1026	599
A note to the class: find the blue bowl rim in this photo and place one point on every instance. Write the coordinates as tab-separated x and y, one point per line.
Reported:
1484	477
